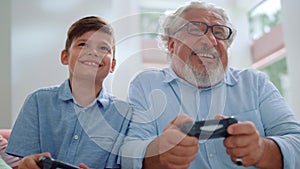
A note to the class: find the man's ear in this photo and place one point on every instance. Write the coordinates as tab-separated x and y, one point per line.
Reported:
64	57
113	65
171	45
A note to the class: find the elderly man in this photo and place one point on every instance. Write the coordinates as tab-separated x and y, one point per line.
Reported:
199	85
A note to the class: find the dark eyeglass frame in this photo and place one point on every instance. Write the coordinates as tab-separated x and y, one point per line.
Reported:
207	27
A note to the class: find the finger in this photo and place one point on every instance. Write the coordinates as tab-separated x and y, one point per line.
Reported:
178	121
239	141
237	152
176	162
31	161
28	163
241	128
186	150
180	159
47	154
182	118
172	138
221	116
245	160
83	166
238	161
249	154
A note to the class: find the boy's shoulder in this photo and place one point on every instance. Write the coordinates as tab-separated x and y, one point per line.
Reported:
55	90
47	89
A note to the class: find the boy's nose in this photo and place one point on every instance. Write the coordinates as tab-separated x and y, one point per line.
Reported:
93	52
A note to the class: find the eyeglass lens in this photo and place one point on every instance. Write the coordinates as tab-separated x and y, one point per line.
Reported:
199	29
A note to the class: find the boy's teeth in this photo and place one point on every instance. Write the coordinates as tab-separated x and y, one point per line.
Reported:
91	63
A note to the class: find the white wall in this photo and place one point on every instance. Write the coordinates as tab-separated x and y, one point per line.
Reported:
129	60
291	25
5	65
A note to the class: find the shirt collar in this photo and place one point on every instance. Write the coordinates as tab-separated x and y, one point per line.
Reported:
65	91
65	94
230	78
104	98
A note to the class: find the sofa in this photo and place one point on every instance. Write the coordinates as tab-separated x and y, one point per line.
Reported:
5	134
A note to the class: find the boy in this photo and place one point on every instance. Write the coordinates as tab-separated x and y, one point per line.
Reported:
77	121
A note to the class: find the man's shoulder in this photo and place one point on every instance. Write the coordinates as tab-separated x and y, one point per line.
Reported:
247	72
150	73
247	75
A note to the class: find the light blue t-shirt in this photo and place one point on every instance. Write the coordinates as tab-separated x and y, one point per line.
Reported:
51	121
160	95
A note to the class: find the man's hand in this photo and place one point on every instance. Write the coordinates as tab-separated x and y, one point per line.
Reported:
172	149
30	162
245	143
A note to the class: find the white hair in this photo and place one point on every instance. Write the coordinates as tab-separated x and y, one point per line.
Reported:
169	22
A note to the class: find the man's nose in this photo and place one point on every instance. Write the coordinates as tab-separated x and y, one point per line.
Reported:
210	37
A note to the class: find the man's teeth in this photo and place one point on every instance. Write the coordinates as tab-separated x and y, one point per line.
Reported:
205	55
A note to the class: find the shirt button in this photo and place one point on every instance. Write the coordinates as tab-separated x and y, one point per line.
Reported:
76	137
211	155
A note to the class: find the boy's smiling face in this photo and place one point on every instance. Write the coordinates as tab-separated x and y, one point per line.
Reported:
90	56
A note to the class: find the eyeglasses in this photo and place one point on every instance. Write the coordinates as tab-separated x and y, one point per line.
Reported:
195	28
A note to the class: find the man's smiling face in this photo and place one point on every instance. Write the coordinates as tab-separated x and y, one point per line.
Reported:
204	57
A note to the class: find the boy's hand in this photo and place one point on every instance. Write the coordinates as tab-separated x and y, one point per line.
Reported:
30	162
83	166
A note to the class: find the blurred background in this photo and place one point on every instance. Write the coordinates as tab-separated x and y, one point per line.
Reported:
33	33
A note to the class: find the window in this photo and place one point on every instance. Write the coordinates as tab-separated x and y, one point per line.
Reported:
264	17
267	46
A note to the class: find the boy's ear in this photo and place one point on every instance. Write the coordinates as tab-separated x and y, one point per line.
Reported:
171	45
113	65
64	57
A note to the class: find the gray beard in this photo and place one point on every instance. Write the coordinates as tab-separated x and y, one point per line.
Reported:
196	77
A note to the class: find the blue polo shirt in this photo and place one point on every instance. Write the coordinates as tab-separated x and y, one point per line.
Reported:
51	121
160	95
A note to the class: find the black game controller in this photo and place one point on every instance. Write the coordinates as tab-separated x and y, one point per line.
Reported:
208	129
50	163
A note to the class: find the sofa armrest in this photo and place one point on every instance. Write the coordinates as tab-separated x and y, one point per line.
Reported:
5	133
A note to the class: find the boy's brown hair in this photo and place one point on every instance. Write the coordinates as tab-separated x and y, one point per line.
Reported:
86	24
